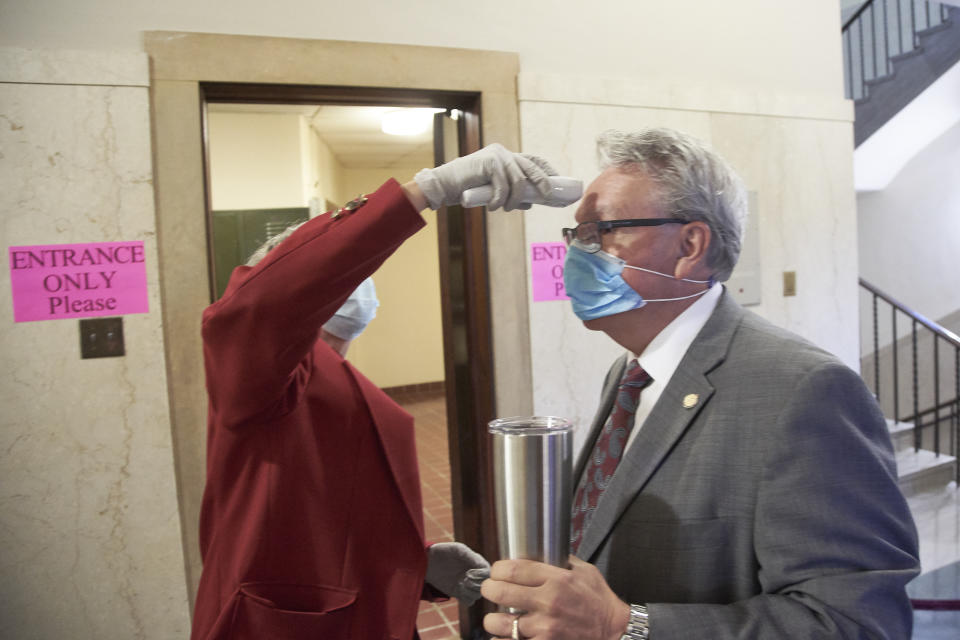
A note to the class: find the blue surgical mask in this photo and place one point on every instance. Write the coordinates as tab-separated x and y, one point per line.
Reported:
595	284
355	314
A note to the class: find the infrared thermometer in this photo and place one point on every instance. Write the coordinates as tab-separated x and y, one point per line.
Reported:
563	191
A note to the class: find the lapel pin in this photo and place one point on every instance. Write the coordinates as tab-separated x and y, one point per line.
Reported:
351	206
690	400
355	204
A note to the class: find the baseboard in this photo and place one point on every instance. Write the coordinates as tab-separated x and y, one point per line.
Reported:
422	388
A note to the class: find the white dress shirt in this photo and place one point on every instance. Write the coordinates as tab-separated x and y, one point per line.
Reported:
664	353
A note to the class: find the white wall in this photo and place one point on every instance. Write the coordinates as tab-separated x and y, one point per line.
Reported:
404	343
909	233
256	161
324	175
750	44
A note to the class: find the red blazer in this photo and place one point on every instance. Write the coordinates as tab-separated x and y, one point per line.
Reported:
311	524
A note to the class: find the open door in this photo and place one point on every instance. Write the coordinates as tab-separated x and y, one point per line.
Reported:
469	357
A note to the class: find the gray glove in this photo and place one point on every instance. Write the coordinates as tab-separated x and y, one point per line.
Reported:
507	172
456	570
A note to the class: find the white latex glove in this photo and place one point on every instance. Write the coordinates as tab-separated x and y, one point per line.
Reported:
507	172
456	570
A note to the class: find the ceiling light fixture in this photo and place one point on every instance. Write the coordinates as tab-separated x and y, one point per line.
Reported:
407	122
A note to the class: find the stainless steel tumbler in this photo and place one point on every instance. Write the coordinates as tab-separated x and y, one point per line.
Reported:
532	469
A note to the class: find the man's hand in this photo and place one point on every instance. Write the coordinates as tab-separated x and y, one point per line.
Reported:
507	172
560	604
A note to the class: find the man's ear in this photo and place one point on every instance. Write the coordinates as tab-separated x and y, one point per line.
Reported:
695	238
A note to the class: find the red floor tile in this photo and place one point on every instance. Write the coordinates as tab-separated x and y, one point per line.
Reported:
435	621
437	633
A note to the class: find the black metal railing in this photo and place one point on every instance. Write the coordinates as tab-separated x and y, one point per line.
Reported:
880	31
928	378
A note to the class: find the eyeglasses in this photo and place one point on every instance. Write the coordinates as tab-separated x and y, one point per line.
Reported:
587	234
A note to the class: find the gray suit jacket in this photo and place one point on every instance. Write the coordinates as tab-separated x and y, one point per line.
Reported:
769	509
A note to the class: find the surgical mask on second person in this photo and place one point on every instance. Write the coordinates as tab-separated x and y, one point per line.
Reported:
355	314
595	284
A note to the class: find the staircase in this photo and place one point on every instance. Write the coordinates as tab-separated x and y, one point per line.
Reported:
920	470
912	365
893	50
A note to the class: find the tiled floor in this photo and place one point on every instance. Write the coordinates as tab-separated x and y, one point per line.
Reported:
937	515
938	585
436	621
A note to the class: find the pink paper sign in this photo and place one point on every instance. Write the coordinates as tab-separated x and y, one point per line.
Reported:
59	281
546	268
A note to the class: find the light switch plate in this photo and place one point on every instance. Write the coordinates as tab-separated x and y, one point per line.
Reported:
101	338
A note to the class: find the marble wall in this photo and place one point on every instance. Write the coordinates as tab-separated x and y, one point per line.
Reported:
794	152
88	501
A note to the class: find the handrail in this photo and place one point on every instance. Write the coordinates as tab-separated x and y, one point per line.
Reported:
943	332
943	406
941	414
879	33
856	15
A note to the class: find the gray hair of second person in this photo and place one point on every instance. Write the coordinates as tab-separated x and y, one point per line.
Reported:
695	184
271	243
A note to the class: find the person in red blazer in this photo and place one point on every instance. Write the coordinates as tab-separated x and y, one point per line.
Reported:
311	522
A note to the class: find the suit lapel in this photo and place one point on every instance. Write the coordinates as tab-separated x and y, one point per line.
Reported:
667	422
398	446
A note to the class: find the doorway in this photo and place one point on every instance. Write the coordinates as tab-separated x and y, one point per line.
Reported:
271	166
180	64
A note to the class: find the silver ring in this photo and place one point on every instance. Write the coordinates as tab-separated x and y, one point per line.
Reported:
515	630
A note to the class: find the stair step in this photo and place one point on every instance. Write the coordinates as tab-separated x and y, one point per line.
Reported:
873	83
942	26
924	470
906	55
901	433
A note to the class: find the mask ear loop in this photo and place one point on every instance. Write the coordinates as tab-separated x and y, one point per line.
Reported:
692	295
709	282
667	275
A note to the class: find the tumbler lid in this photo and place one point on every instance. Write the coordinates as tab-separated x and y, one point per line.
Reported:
530	425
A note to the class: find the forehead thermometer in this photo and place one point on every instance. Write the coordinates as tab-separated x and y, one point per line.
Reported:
563	191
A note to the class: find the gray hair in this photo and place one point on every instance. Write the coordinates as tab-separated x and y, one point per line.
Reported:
695	184
271	243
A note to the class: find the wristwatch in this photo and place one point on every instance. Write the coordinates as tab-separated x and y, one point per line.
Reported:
638	627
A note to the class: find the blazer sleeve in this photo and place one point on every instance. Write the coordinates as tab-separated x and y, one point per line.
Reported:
258	338
834	537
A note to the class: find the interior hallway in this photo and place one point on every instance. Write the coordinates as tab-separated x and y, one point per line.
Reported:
436	621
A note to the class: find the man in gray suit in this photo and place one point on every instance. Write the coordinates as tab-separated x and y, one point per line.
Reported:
750	491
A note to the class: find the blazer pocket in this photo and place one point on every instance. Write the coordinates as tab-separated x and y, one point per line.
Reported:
292	612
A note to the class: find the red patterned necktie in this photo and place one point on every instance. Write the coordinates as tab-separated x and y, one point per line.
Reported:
607	451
